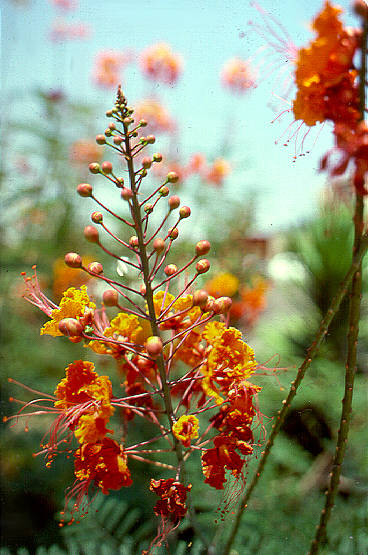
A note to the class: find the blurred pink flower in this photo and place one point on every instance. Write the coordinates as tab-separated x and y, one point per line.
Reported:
83	151
156	115
238	76
160	63
65	5
62	30
108	67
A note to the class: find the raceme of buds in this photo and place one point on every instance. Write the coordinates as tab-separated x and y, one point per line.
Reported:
176	355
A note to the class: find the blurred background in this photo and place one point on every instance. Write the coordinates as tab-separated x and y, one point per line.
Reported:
281	240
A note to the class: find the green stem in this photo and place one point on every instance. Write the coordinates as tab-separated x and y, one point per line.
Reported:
352	338
311	353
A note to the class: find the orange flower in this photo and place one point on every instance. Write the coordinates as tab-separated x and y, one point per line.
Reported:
222	285
215	461
186	428
64	277
90	395
181	314
103	463
125	328
238	76
75	303
160	63
173	496
229	361
326	64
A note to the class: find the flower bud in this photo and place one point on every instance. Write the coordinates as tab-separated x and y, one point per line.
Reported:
112	126
117	140
200	298
100	139
126	193
143	289
222	305
164	191
184	212
95	268
110	297
158	244
108	132
142	123
202	266
73	260
94	167
172	177
150	139
154	346
109	114
128	121
174	202
91	234
209	305
157	157
148	208
202	247
146	162
70	327
173	233
84	190
170	269
97	217
133	241
106	167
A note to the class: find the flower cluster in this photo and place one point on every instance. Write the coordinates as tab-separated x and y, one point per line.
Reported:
328	90
181	367
108	67
160	63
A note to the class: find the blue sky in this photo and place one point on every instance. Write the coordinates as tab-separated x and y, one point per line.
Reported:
206	33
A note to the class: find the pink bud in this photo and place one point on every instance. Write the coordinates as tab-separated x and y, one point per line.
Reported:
73	260
157	157
172	177
173	233
150	139
202	266
158	244
154	346
200	297
202	247
184	212
100	139
106	167
170	269
70	327
110	297
94	167
97	217
91	234
146	162
222	305
84	190
164	191
95	268
126	193
117	140
174	202
133	241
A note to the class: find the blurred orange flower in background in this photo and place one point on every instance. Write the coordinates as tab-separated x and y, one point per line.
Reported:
108	66
157	116
84	150
160	63
238	76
